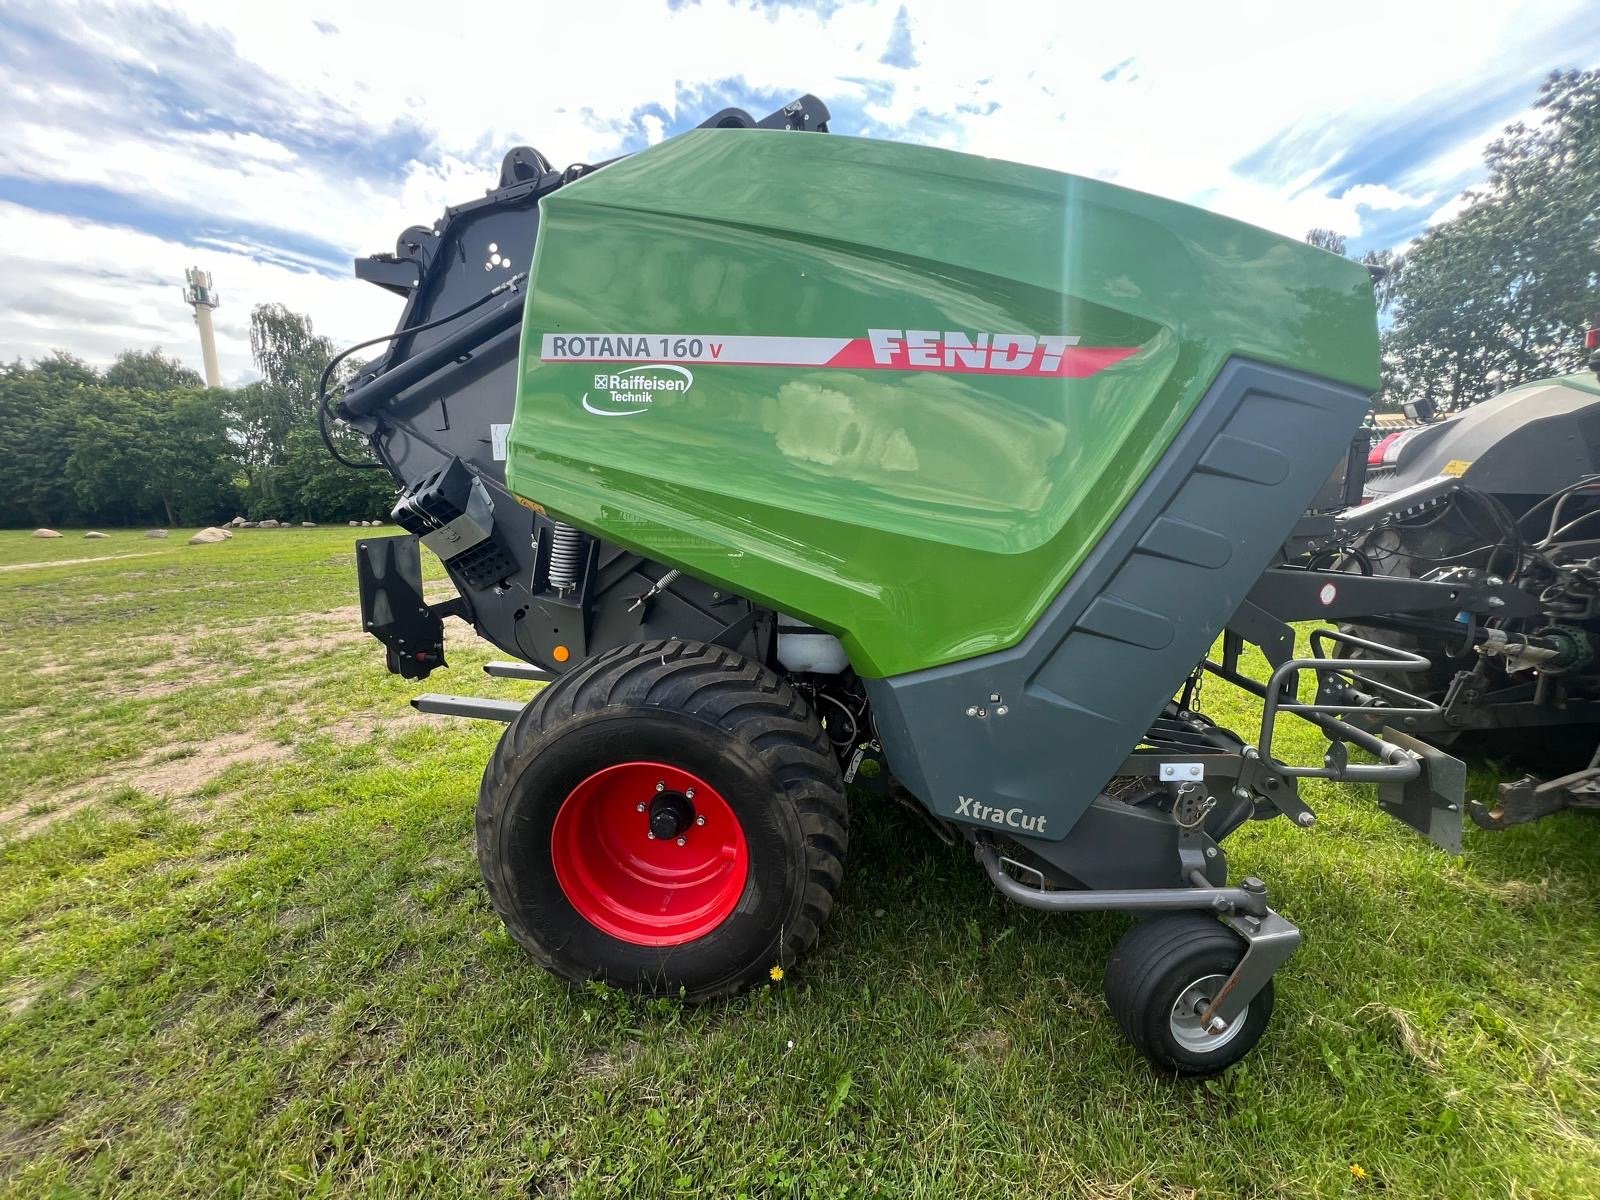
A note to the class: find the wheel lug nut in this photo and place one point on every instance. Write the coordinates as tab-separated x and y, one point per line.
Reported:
650	834
661	785
689	795
683	841
638	808
699	820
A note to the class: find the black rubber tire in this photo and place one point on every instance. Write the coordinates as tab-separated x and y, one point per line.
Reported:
710	711
1431	682
1150	968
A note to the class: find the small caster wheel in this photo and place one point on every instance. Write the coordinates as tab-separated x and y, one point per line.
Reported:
1163	975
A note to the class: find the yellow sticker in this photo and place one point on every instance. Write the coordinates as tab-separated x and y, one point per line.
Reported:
1456	466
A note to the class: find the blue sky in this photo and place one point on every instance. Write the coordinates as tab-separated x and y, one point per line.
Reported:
271	143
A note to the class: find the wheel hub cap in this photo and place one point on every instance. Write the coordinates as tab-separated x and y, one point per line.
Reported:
671	813
649	853
1188	1025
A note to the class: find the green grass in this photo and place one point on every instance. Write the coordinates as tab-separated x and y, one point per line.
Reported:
244	952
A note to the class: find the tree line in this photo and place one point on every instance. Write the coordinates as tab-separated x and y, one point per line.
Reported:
144	442
1502	292
1495	296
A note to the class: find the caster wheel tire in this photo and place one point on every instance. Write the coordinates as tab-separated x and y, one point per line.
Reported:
1163	975
666	817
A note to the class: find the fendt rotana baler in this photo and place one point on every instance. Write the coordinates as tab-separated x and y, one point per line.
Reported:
793	462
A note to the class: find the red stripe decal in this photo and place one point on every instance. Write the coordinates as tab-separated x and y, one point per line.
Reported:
1075	362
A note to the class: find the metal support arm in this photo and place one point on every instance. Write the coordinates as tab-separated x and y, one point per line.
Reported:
1270	940
1251	898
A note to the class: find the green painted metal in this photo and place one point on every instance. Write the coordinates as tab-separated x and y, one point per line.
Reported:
923	515
1582	381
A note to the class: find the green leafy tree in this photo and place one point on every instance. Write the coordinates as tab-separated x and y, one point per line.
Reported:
319	489
1326	239
291	475
1388	269
1500	294
166	456
290	356
40	407
150	371
145	442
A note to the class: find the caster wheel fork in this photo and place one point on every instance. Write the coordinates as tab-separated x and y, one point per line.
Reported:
1193	994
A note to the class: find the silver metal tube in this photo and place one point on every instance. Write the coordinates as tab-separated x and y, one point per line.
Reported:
1177	899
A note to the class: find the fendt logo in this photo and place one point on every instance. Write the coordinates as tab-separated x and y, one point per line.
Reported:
633	391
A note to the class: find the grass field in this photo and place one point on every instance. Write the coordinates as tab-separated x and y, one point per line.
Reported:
244	952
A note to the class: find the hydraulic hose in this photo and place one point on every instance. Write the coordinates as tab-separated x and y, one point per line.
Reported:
398	378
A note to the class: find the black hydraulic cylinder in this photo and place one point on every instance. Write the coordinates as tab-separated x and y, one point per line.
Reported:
364	398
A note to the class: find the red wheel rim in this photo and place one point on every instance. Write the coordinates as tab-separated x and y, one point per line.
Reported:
643	890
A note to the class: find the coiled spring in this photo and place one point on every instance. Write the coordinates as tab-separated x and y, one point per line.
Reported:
566	556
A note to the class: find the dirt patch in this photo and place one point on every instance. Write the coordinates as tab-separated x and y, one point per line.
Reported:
290	639
147	689
293	637
179	776
156	774
20	997
73	562
296	917
31	816
19	716
158	666
352	730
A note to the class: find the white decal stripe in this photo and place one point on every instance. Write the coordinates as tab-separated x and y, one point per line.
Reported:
690	347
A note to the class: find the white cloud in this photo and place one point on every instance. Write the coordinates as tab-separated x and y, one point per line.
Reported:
1450	209
98	289
1191	94
1379	196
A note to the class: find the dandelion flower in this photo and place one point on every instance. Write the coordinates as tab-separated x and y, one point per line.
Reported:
1357	1171
776	973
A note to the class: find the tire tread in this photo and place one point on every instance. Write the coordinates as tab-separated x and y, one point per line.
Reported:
743	699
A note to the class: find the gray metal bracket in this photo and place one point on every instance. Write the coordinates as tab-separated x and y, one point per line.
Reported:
1246	770
1431	801
1270	941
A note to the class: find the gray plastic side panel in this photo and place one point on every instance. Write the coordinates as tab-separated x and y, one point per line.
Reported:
1080	690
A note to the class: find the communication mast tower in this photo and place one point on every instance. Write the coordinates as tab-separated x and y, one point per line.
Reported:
200	295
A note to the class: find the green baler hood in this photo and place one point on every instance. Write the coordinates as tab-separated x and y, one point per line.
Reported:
897	391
